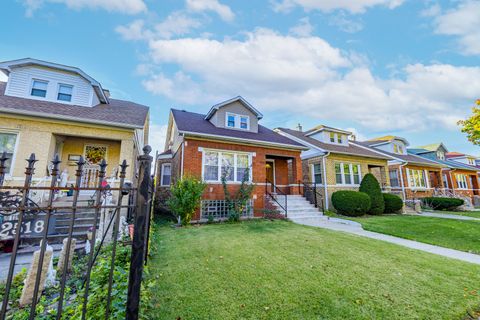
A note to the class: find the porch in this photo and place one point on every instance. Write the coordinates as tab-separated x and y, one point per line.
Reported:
282	175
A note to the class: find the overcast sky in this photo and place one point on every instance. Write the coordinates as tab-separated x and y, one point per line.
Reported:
408	68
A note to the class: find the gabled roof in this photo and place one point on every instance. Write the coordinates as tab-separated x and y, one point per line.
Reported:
351	149
410	158
116	113
322	127
431	147
229	101
455	155
452	164
6	67
385	139
195	124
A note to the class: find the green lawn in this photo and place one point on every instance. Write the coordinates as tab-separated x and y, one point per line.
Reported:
474	214
280	270
456	234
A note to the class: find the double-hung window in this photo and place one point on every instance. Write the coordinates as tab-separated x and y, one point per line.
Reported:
461	181
7	145
243	123
332	137
394	181
166	174
65	92
231	121
347	173
317	173
39	88
237	121
416	178
234	167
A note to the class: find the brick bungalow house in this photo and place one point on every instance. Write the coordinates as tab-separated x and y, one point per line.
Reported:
48	108
333	155
411	176
228	137
459	178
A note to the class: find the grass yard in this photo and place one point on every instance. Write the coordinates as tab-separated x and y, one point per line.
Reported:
455	234
474	214
280	270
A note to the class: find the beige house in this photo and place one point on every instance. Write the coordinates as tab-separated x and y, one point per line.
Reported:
48	108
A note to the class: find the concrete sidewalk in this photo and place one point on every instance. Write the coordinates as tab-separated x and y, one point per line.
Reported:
356	228
446	216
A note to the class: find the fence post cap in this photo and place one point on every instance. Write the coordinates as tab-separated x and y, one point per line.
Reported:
146	150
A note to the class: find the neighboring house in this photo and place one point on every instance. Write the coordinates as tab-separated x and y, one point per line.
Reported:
458	177
47	109
463	158
333	155
228	141
410	175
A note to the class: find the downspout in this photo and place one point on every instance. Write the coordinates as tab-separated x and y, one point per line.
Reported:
325	179
451	180
403	183
183	156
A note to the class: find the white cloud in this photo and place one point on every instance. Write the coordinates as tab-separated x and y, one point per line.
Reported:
464	23
345	24
303	28
176	24
222	10
123	6
309	77
156	137
352	6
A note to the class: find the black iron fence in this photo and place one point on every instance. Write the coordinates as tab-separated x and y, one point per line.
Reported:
41	223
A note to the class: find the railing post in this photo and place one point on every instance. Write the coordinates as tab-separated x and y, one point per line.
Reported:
138	245
3	159
315	194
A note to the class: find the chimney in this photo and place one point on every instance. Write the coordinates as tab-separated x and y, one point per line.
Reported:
353	137
299	127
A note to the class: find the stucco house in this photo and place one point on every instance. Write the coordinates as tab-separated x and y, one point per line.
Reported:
459	178
48	108
411	176
334	162
228	140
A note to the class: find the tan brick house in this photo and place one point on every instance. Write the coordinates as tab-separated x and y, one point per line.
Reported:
411	176
333	162
229	141
47	109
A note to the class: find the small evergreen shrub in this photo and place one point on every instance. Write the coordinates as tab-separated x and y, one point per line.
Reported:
370	186
351	203
185	198
442	203
393	203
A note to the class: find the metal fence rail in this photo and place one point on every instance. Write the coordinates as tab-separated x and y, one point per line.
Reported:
27	223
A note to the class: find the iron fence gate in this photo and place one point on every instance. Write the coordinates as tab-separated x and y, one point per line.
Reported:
75	224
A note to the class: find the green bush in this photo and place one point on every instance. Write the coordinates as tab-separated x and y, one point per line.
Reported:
185	198
393	203
370	186
441	203
351	203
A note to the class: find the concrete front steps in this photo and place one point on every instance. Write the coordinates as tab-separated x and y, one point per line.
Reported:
298	207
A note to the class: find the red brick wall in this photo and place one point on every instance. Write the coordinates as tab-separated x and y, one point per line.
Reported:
214	191
454	185
418	193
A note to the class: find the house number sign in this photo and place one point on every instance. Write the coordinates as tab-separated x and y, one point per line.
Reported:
30	228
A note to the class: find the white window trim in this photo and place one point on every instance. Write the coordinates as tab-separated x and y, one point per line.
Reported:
353	184
237	124
398	178
274	173
219	165
312	166
58	92
30	96
445	180
462	181
15	150
425	179
162	174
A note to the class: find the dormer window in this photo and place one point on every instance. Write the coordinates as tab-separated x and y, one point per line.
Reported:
65	92
332	137
336	138
39	88
398	149
440	155
340	139
237	121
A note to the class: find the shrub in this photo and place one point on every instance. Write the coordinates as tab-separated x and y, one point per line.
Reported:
238	202
393	203
351	203
185	198
441	203
370	186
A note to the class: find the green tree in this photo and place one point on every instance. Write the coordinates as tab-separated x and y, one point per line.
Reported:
471	126
237	202
185	198
371	187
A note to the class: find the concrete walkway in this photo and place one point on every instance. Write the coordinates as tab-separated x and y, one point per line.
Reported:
353	227
446	216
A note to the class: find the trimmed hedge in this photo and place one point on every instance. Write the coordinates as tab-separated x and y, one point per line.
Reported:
442	203
393	203
351	203
370	186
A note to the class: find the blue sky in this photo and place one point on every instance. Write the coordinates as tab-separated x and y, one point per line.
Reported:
409	68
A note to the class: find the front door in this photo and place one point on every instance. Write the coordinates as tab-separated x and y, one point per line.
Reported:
270	173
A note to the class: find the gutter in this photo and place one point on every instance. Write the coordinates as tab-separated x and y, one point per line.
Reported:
69	118
401	180
325	187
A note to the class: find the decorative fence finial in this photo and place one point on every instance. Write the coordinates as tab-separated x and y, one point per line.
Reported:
103	168
56	162
147	149
80	163
30	169
123	169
